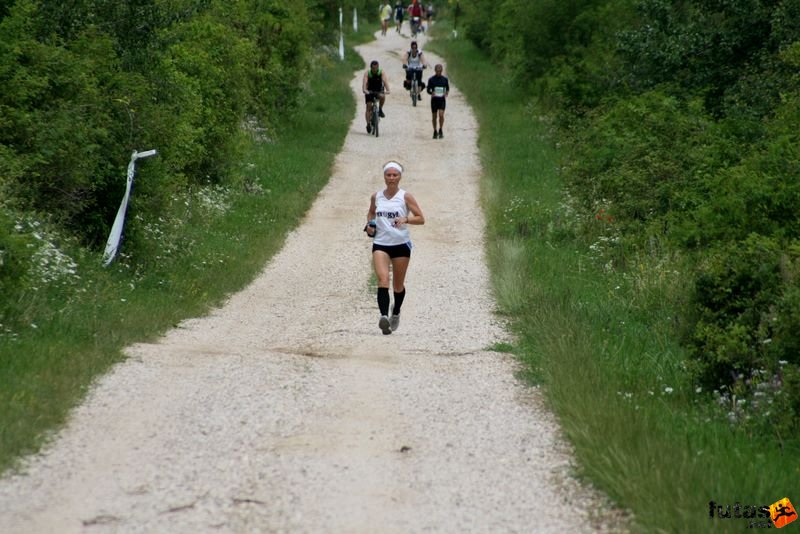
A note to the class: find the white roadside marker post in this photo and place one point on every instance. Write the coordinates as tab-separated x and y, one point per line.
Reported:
341	37
114	238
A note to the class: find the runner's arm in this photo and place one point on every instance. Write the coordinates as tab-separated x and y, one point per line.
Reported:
373	209
416	212
371	213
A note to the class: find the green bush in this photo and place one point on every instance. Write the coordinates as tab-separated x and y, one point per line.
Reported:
707	48
762	192
15	257
785	344
589	70
214	63
59	111
746	311
282	36
476	18
735	289
638	160
86	84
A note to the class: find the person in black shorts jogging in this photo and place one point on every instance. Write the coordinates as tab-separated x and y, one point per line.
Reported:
375	87
438	88
399	11
391	210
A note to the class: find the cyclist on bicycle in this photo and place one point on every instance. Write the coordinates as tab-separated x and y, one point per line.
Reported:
413	62
375	87
415	16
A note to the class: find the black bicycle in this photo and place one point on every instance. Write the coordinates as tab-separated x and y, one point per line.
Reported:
415	89
415	24
374	111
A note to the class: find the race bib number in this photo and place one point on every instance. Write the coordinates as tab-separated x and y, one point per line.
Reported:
438	91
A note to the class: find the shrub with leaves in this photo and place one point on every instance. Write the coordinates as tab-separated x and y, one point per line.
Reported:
640	157
86	84
15	257
60	123
746	315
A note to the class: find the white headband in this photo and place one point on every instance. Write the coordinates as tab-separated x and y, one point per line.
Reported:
393	165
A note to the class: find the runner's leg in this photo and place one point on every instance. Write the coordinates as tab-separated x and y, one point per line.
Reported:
381	262
399	268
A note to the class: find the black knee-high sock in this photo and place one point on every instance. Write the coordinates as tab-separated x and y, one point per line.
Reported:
383	300
398	301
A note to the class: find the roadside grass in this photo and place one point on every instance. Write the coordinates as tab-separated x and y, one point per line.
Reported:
601	343
210	244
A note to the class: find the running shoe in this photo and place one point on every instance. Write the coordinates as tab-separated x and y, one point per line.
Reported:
369	128
435	134
383	324
380	113
394	322
441	135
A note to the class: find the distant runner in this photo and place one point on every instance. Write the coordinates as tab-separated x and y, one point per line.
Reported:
438	88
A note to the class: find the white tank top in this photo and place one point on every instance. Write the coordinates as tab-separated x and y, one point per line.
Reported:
415	62
387	210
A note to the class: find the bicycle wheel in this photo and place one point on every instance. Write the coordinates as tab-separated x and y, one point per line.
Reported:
414	92
376	118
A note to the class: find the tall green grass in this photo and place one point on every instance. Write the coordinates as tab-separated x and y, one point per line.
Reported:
601	343
66	338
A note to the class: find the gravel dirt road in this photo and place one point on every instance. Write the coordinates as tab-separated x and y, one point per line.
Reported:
287	410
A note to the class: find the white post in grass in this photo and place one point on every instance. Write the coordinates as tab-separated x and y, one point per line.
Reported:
341	36
355	19
114	238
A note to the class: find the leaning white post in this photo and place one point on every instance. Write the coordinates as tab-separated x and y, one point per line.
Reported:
112	246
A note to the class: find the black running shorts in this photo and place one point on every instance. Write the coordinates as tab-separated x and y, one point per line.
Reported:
437	103
394	251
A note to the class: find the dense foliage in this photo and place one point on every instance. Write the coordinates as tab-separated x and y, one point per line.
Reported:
86	83
678	121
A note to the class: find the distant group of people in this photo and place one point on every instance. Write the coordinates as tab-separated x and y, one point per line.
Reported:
375	86
415	11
